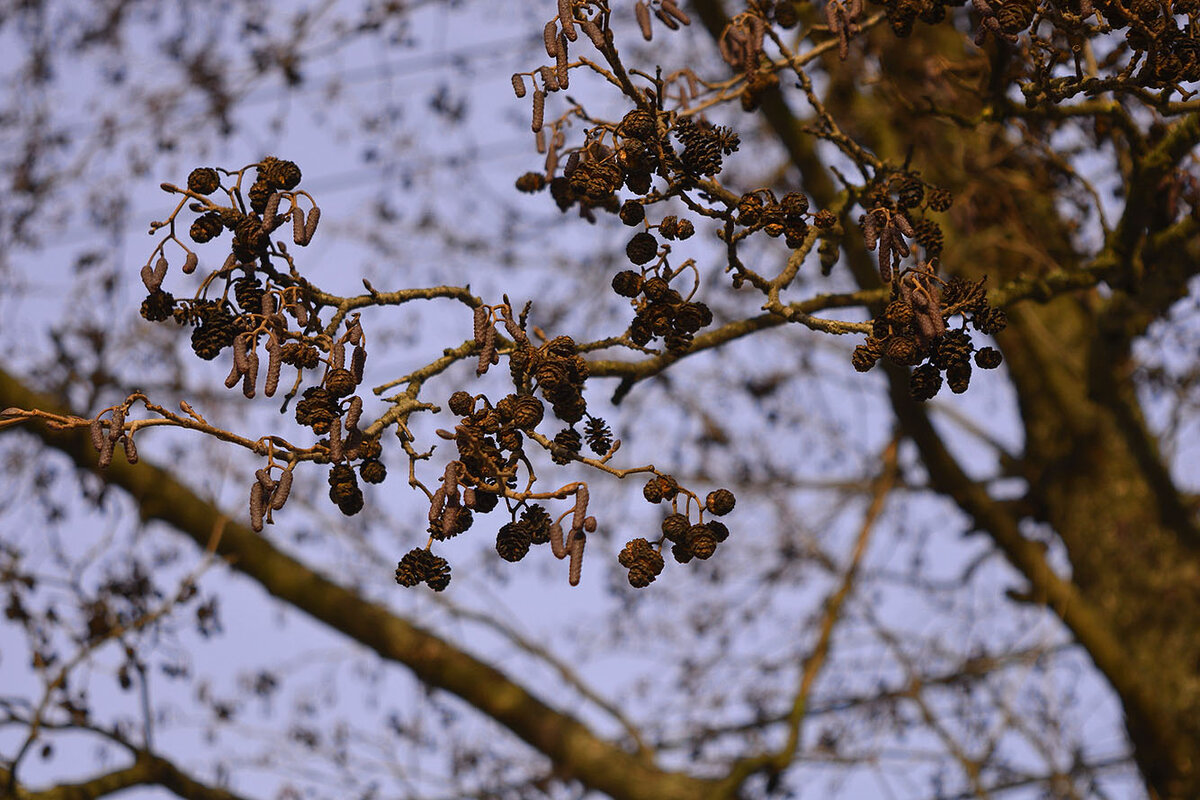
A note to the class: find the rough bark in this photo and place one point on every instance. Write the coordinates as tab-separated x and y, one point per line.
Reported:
1132	598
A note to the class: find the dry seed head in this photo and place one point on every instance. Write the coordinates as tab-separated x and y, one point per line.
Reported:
518	84
550	39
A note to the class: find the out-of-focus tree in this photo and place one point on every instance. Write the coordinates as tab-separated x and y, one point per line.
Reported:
972	571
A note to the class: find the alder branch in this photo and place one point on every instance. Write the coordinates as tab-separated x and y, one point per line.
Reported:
594	761
778	761
1138	694
147	770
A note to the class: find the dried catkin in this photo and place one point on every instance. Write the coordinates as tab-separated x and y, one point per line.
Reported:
518	84
358	362
666	19
131	454
576	568
670	8
870	226
298	226
539	108
189	263
96	429
556	541
487	353
263	476
274	367
437	503
549	77
479	323
758	29
271	210
561	71
250	377
106	453
338	355
589	525
310	225
581	503
540	140
354	413
282	490
257	507
354	333
300	311
550	39
148	279
643	18
116	425
335	439
593	32
235	373
566	18
241	352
